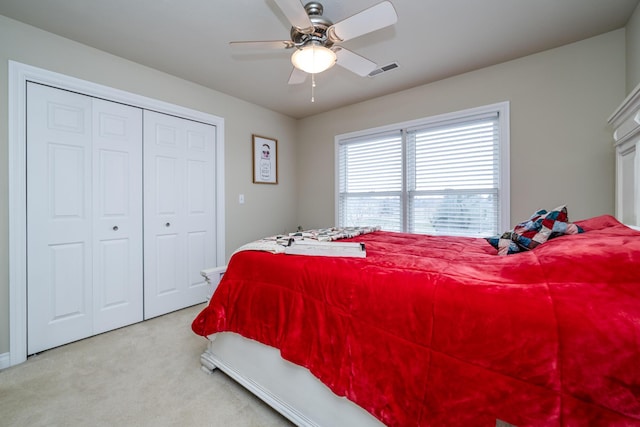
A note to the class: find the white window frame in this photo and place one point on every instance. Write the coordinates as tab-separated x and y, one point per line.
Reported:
502	108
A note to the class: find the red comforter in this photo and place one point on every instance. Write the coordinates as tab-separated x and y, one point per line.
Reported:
435	331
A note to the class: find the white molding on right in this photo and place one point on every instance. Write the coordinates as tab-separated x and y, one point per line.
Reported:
626	119
626	134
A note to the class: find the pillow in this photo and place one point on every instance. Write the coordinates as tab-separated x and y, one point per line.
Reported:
529	234
504	244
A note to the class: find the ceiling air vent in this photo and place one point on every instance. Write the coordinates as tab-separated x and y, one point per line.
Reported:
383	69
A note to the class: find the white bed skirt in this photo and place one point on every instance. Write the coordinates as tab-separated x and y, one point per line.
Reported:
288	388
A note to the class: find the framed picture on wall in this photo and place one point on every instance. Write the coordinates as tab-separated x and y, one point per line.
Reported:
265	160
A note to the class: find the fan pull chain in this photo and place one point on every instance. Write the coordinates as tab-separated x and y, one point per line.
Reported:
313	87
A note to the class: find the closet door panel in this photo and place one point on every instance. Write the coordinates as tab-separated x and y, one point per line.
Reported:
179	211
197	185
67	286
166	181
167	273
200	203
196	256
164	207
59	217
84	216
113	282
117	201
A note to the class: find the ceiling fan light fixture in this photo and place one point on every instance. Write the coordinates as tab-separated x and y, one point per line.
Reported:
313	58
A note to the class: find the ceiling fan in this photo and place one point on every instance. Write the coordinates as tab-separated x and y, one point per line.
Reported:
315	40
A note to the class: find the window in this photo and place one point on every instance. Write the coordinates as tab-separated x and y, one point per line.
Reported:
441	175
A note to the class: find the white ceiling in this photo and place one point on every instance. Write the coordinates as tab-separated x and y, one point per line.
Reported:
432	40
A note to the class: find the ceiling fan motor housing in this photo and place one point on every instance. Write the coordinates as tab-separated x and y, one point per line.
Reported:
320	26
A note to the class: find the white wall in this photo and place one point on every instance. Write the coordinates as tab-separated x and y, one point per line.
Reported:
633	50
561	145
274	203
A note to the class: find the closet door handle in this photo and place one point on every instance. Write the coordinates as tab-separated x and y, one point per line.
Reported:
115	228
168	224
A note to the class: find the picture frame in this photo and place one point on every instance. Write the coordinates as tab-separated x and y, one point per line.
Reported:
265	160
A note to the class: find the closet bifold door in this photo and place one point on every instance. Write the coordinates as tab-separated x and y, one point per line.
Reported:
84	216
117	212
179	211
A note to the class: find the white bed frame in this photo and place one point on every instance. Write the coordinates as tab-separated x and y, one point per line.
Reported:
288	388
302	398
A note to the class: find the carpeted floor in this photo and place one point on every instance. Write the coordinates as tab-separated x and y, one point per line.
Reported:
147	374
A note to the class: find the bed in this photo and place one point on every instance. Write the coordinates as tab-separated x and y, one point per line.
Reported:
442	331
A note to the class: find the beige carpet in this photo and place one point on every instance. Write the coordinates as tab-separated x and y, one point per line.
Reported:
147	374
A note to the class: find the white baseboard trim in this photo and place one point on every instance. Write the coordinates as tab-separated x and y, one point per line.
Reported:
5	360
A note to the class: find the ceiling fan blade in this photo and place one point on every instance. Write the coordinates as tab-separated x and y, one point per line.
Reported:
369	20
297	76
295	13
354	62
271	44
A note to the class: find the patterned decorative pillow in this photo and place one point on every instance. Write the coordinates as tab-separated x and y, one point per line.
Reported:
504	244
529	234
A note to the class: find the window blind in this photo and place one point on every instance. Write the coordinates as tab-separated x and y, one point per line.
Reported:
371	181
453	177
434	176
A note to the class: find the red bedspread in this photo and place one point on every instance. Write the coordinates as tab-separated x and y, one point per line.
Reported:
437	331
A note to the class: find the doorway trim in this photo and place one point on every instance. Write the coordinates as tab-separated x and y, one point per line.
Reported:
19	75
